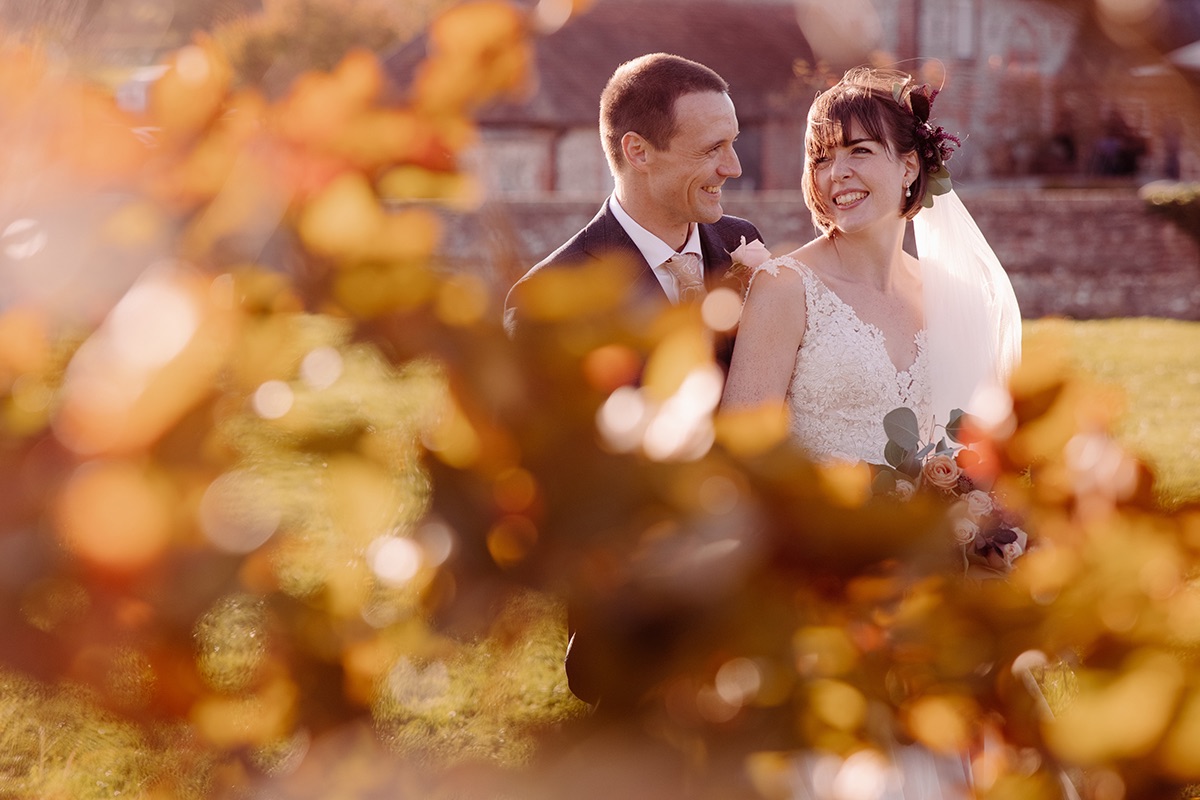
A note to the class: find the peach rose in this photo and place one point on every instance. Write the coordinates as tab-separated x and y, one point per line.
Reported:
941	471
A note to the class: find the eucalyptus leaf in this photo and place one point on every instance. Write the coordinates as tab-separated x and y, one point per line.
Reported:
924	451
939	183
894	454
901	427
954	426
885	481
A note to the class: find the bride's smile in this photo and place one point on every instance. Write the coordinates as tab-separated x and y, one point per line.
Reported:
848	199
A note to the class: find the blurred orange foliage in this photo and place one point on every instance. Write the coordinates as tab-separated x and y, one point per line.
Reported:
287	472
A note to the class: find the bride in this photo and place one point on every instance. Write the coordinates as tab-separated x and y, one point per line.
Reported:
850	326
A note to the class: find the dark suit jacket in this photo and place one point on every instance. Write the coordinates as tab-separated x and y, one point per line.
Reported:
604	236
599	645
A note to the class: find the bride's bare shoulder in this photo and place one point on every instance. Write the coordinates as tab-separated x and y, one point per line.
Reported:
815	254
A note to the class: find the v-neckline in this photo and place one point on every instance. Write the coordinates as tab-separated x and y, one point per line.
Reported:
877	334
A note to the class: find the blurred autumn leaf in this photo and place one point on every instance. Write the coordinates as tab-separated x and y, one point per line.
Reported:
290	37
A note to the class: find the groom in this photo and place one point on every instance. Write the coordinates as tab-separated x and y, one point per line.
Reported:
668	127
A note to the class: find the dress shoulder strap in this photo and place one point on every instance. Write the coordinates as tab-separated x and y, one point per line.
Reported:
773	265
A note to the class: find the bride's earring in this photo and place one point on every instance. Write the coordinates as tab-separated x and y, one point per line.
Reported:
907	190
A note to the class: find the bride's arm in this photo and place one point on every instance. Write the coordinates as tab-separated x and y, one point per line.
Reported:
769	334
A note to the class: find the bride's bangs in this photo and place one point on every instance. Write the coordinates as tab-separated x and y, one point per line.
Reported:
865	109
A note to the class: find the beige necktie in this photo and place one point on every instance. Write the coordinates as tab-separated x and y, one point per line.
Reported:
689	276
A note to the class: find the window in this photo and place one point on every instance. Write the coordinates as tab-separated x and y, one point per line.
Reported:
964	29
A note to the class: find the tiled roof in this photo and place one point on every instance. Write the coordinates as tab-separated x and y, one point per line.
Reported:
753	45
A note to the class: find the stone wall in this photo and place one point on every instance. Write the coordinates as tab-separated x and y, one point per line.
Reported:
1082	253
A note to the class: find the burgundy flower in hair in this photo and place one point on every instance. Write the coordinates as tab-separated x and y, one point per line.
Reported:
934	144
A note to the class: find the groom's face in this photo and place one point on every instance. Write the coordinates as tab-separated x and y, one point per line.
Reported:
685	179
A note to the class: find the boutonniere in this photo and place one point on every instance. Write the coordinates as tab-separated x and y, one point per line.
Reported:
746	258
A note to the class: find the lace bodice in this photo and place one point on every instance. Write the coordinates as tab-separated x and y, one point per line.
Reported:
844	382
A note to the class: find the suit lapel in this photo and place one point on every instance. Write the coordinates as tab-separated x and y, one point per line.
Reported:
716	257
606	236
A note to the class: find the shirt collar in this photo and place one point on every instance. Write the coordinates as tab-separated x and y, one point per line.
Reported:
653	249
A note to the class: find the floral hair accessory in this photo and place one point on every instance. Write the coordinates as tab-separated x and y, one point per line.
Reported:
935	144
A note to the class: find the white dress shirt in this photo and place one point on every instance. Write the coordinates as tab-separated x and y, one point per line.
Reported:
655	250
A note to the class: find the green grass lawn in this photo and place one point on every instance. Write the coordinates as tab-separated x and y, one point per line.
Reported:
1156	364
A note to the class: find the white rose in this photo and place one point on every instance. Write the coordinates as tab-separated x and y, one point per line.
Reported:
979	504
1013	550
965	531
751	254
904	489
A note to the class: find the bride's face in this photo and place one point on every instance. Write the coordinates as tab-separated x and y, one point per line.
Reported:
860	181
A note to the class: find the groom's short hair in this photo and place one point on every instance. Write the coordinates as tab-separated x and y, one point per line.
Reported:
640	97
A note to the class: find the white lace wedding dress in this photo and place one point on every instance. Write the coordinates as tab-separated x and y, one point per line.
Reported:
843	385
844	381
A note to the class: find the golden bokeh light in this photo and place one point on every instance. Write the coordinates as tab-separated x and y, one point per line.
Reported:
1178	753
622	419
117	515
611	366
823	652
321	367
1119	715
511	540
247	720
515	490
150	362
478	52
231	643
454	440
749	432
590	290
235	512
395	560
24	342
188	96
837	704
942	723
846	484
462	300
721	309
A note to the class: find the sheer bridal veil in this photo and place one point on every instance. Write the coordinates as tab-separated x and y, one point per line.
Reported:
971	312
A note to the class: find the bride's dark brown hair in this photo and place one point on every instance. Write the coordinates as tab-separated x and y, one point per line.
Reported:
866	96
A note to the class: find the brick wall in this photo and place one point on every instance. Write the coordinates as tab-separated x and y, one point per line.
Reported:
1083	253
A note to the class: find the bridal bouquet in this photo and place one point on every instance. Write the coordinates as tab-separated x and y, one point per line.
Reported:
988	535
